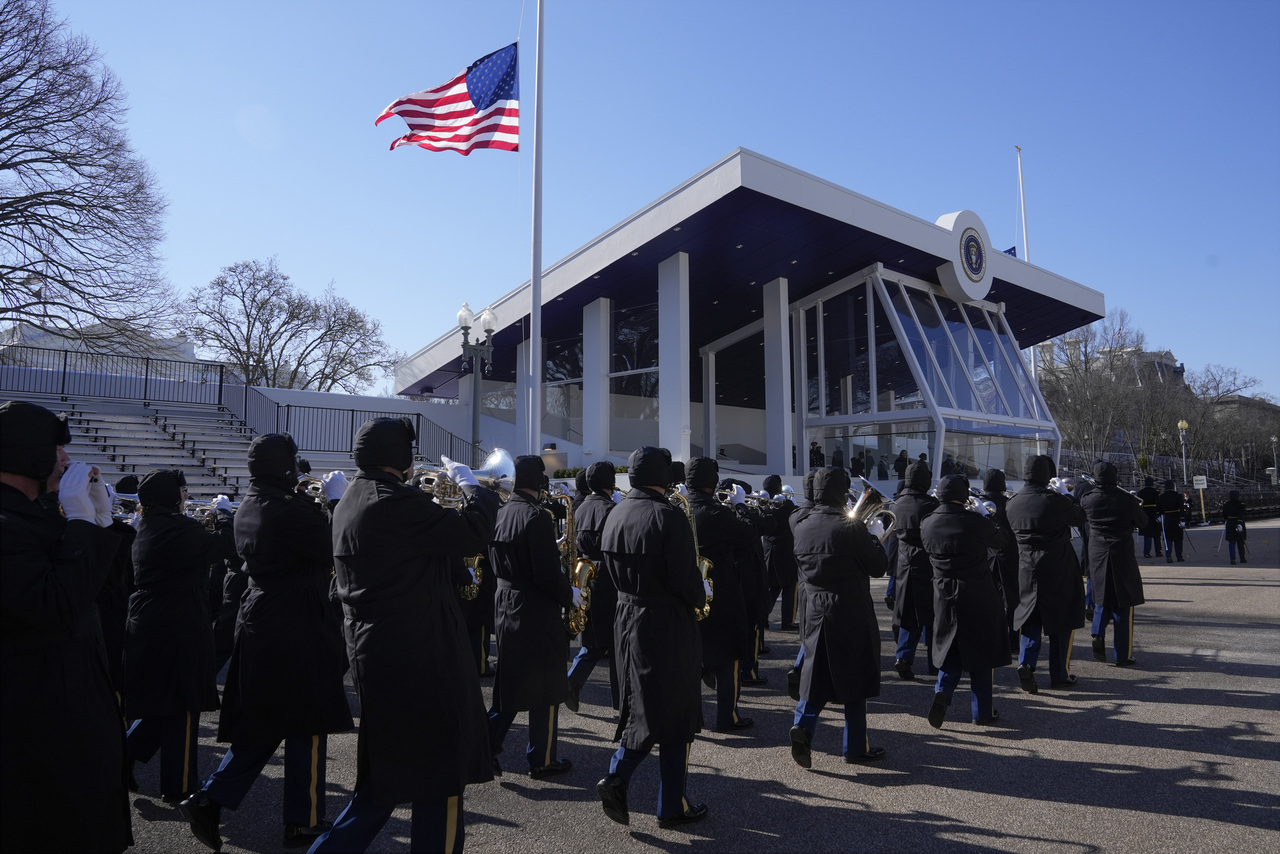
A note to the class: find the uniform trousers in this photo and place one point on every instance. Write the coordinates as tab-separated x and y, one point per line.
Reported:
1231	550
909	639
304	775
728	689
176	737
543	724
1173	545
1123	620
585	661
856	742
1059	650
434	826
787	619
673	766
1146	546
979	685
749	667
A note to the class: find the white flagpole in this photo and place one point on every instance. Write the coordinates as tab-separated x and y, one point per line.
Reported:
533	441
1022	199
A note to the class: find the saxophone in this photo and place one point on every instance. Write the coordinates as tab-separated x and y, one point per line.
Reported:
704	564
580	570
472	590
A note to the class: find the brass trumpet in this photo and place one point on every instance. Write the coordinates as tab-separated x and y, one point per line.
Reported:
498	467
203	511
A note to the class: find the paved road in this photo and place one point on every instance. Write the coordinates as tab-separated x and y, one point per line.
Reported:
1181	753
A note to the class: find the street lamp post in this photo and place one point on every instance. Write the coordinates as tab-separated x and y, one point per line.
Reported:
1182	432
481	358
1275	466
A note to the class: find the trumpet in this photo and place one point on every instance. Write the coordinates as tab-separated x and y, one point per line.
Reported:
704	564
873	504
497	474
203	511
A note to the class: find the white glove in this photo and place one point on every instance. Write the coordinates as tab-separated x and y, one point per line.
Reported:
617	496
682	489
100	495
706	588
875	528
739	495
458	473
577	597
472	570
334	485
223	503
1060	485
981	508
73	493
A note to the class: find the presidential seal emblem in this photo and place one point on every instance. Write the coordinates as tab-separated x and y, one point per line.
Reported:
966	276
973	255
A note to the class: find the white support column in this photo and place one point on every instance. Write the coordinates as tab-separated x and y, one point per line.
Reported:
673	355
710	442
777	379
524	393
597	358
799	327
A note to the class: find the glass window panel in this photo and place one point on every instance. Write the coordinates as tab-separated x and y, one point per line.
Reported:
811	360
1019	367
635	338
633	411
1002	374
876	442
978	447
562	411
935	338
896	388
845	353
971	357
562	359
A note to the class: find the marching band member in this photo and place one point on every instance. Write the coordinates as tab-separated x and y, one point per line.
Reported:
1113	566
1005	561
802	510
422	726
62	769
968	609
532	642
913	586
648	551
1051	595
836	557
780	557
597	637
284	682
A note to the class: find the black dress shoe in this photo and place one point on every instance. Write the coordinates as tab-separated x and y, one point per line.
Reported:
497	767
938	711
1088	613
791	627
800	740
560	766
204	815
793	683
889	602
176	799
1069	682
740	723
1128	662
875	754
1099	649
753	680
764	650
904	670
709	678
613	797
689	816
1027	679
571	702
994	719
297	835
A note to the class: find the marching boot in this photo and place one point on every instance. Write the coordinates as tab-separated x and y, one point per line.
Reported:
613	797
938	711
204	815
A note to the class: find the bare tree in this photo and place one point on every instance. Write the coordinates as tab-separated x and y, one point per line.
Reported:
80	214
275	335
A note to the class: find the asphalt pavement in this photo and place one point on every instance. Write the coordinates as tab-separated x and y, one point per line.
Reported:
1180	753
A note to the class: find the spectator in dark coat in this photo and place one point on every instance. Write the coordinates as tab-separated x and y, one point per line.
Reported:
968	627
533	592
913	586
837	558
1235	532
596	639
1051	594
1113	566
648	552
900	464
423	736
1172	508
284	682
169	652
62	769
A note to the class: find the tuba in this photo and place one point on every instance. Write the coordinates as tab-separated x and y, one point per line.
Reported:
704	564
497	474
873	504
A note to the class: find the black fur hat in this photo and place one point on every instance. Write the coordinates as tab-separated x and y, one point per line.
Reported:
29	439
994	481
161	488
529	471
650	466
953	487
1040	470
919	477
385	442
601	477
702	472
273	459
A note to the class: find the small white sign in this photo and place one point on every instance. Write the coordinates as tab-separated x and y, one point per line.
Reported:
1200	481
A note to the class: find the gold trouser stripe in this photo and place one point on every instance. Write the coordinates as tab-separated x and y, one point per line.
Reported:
1129	652
1066	664
314	785
684	802
484	654
866	748
186	756
736	689
551	731
450	824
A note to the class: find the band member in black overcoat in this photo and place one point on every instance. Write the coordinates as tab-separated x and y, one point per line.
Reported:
62	768
533	592
1113	566
1172	508
1005	562
169	652
1150	497
423	735
837	558
723	538
969	630
779	555
802	510
755	583
1051	595
648	551
596	639
580	489
1235	532
284	682
913	584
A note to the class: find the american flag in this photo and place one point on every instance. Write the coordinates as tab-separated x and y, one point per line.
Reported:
480	108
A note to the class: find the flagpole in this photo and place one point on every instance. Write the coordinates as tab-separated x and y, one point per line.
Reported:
534	440
1022	200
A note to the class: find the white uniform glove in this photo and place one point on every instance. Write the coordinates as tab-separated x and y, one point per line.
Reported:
472	570
739	495
706	588
577	597
458	473
334	485
875	528
617	496
682	489
73	493
981	508
100	495
223	503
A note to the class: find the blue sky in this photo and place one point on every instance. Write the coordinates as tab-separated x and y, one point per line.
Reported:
1150	135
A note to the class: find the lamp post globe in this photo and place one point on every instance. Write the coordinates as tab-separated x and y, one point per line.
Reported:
1182	433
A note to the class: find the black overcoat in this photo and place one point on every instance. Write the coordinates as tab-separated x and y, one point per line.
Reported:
648	552
1049	582
968	607
588	521
1233	512
62	753
913	596
837	558
533	592
779	546
723	538
169	649
285	674
802	510
424	731
1004	563
1150	497
1173	514
1113	566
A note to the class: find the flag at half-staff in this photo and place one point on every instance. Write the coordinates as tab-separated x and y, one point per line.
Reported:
480	108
